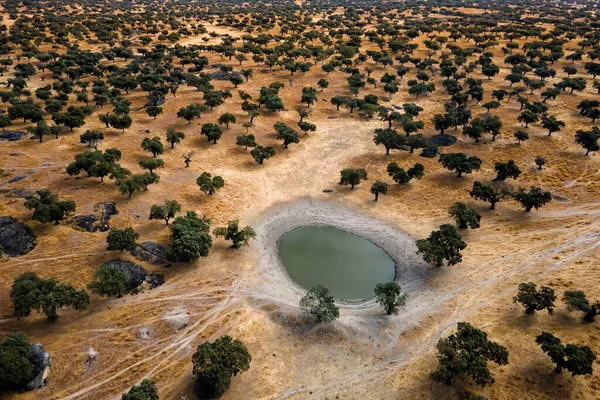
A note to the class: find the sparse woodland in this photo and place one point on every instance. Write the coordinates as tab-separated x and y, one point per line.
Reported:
142	143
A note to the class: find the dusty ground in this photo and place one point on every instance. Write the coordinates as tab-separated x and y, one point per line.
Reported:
363	355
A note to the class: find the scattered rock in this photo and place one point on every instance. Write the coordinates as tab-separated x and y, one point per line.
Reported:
155	103
92	357
442	140
16	192
177	317
223	76
87	222
332	117
327	190
135	274
145	334
397	107
148	131
109	209
155	280
17	178
16	154
559	197
403	147
40	361
12	135
150	252
430	151
16	238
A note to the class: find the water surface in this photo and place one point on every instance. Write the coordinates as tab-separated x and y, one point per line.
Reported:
348	265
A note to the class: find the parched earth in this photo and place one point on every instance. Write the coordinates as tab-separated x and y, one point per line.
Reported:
363	355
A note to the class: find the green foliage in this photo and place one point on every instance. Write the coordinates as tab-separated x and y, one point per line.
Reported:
91	138
588	139
146	390
578	360
213	132
577	300
390	296
226	119
246	141
401	176
30	292
174	136
216	363
379	188
232	232
533	300
352	177
260	153
388	138
467	352
153	145
15	362
459	162
47	208
122	239
208	184
489	193
319	303
286	133
534	198
108	281
443	244
151	164
464	216
191	238
166	211
506	170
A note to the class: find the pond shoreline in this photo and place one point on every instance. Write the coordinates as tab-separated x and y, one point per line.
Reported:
282	218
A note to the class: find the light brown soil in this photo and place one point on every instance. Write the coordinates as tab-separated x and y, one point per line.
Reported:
364	355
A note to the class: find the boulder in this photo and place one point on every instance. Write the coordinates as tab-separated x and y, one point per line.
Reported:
155	280
430	151
135	274
150	252
17	178
87	222
108	209
40	361
12	135
155	103
16	238
223	76
327	190
442	140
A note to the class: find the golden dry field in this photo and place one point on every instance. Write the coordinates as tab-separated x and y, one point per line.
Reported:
364	354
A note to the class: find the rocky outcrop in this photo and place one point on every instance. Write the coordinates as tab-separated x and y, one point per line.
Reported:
16	238
86	222
108	209
150	252
12	135
430	151
136	275
155	280
40	361
442	140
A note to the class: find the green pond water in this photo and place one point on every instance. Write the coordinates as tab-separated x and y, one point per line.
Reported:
348	265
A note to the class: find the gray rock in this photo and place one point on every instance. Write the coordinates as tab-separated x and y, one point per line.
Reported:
332	117
87	222
223	76
16	238
108	210
442	140
40	361
155	280
12	135
17	178
327	190
135	274
559	197
155	103
16	154
430	152
150	252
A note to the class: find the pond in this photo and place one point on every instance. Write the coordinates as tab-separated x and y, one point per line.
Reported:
348	265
